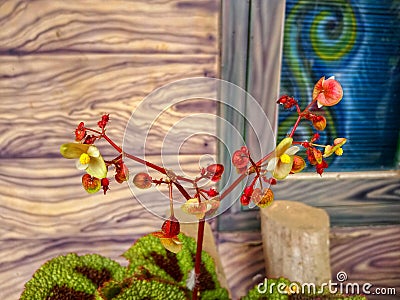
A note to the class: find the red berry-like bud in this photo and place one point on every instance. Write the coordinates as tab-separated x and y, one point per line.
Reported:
171	227
80	132
248	190
105	117
103	122
142	180
244	200
315	137
105	184
272	181
211	192
286	101
122	172
91	184
90	139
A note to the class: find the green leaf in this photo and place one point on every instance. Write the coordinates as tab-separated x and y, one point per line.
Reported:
149	254
73	275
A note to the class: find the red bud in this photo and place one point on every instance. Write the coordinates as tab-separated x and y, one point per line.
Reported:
171	227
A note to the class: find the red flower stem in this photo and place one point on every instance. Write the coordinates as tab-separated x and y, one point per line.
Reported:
197	265
232	186
295	126
242	176
135	158
182	190
171	201
144	162
301	114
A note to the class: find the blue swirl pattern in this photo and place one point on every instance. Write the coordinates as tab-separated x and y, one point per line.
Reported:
359	43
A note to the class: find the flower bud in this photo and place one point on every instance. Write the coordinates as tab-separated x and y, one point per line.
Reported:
240	158
80	132
105	184
215	171
142	180
298	164
327	92
244	200
267	198
171	227
286	101
248	190
212	192
264	198
319	122
91	184
122	172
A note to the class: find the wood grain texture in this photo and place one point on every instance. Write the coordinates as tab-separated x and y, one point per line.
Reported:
44	198
43	98
64	62
366	254
352	201
44	212
242	259
118	26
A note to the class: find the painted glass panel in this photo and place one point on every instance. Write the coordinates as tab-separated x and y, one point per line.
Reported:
358	41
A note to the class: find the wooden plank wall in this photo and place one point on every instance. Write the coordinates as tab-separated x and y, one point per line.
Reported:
62	62
366	254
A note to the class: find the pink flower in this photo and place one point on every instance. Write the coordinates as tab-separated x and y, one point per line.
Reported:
327	92
240	159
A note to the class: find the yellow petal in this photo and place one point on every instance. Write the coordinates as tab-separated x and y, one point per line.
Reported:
73	150
80	166
266	199
339	141
283	146
97	167
193	207
93	151
339	151
212	206
272	164
282	170
172	244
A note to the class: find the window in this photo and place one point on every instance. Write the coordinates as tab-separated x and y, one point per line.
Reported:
272	47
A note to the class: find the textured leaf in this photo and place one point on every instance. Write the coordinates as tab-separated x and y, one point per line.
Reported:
148	253
73	275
